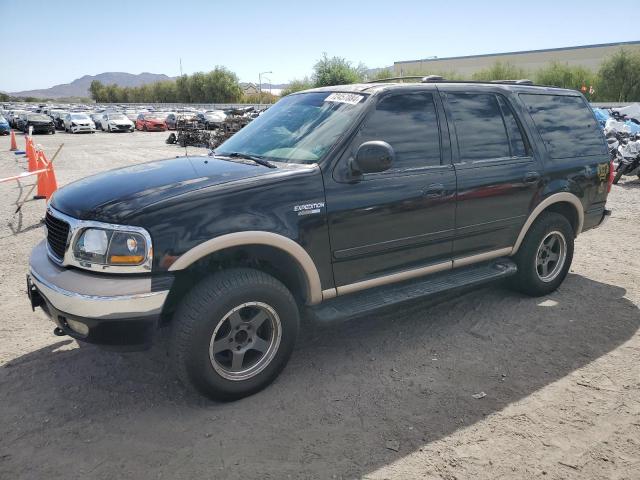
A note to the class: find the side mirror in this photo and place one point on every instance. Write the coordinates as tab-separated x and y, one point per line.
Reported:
373	157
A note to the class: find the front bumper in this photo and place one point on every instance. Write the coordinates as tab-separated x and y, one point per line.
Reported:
82	128
121	128
106	309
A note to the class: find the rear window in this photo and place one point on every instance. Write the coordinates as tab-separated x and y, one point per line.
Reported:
566	124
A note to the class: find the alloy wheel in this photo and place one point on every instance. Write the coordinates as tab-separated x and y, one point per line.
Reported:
245	341
551	256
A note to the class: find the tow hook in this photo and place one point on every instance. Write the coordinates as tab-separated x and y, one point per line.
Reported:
58	332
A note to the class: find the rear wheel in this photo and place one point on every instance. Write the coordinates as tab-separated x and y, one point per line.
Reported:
545	255
234	333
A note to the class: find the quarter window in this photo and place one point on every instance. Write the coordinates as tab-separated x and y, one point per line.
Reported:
408	123
566	124
479	126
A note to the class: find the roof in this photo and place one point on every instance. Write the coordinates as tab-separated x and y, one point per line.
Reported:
380	86
523	52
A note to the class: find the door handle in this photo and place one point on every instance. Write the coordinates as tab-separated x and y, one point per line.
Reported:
434	190
531	177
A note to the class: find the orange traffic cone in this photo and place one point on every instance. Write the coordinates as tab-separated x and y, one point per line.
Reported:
47	183
14	145
32	156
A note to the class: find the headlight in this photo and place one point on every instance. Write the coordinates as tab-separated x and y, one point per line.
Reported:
110	247
73	124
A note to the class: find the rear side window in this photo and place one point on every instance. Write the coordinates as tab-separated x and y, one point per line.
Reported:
409	124
479	126
566	124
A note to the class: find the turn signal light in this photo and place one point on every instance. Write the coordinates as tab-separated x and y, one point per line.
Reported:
126	259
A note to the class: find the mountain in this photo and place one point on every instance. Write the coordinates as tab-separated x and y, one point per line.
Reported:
80	86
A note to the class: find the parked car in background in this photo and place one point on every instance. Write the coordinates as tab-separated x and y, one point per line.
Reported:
211	119
150	122
5	128
78	122
58	119
116	122
40	122
13	117
96	118
20	120
131	115
171	120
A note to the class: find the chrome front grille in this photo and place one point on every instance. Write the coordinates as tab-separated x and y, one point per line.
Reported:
57	235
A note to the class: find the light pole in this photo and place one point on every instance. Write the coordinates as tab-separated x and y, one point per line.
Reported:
260	86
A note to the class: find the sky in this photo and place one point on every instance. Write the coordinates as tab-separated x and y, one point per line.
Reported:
49	42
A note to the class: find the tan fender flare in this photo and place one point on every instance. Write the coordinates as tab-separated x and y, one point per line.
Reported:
550	200
314	289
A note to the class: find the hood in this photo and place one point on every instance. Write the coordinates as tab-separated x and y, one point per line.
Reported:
113	196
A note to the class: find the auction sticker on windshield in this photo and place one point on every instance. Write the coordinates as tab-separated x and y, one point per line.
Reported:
350	98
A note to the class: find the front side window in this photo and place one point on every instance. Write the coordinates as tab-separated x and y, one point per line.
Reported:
479	126
408	122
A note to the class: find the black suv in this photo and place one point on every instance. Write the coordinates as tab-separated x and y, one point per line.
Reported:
335	202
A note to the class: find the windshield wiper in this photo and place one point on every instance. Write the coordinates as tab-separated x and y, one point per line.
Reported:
254	158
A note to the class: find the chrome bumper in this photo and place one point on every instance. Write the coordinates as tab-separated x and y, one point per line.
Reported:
91	295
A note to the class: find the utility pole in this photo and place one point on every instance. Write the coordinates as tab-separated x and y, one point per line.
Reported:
260	86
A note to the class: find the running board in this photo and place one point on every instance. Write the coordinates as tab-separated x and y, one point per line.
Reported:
368	301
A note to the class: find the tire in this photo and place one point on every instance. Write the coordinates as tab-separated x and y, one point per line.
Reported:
554	230
207	318
617	177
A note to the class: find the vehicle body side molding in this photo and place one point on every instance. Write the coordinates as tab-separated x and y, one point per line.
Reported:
314	288
550	200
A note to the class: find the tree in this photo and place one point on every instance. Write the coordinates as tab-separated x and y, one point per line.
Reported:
619	77
96	89
564	76
500	71
221	86
296	86
336	71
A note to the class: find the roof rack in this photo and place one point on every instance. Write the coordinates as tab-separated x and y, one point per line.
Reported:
438	78
522	81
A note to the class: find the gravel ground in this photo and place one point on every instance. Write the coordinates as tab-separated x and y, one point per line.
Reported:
383	397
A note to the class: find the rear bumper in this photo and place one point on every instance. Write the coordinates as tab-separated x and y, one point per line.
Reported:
595	218
104	309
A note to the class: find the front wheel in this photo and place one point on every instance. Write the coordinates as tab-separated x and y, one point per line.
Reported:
545	255
234	333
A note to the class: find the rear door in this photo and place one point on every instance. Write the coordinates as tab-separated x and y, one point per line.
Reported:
403	218
498	174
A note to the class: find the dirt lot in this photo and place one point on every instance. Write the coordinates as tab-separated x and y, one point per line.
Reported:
383	397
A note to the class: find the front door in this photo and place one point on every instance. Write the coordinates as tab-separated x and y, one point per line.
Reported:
402	219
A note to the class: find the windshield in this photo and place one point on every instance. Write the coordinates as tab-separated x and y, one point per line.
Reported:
299	128
79	116
153	116
117	116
